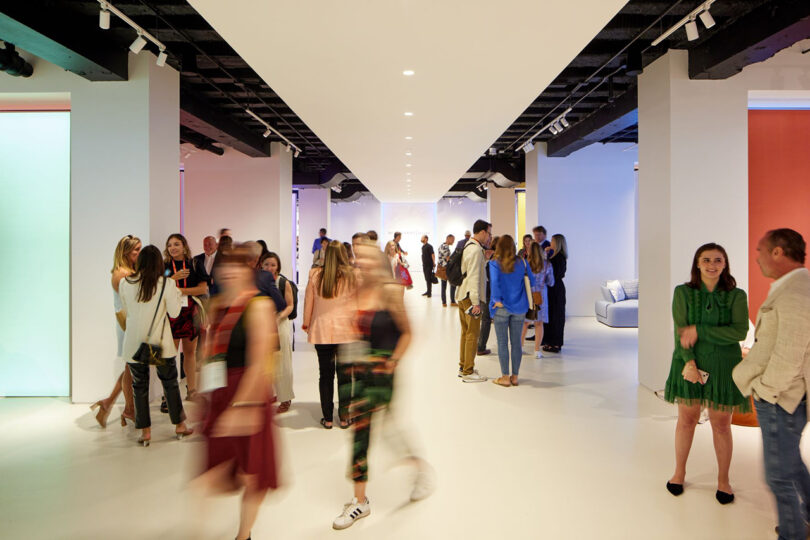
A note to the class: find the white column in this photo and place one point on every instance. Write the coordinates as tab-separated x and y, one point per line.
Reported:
693	189
314	213
282	210
501	210
532	193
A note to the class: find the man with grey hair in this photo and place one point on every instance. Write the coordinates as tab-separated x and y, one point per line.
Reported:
777	372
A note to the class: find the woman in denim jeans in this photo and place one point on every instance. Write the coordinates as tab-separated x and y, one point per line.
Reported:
508	306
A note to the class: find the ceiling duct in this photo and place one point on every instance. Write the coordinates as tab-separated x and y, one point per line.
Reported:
502	181
337	179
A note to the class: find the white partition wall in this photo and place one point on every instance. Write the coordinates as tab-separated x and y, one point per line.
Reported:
502	211
314	212
693	181
123	180
454	215
589	197
362	215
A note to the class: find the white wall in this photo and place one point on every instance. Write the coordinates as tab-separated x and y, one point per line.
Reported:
116	177
693	181
314	212
454	215
239	192
589	197
361	215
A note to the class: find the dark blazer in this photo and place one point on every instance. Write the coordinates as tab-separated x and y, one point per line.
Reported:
200	260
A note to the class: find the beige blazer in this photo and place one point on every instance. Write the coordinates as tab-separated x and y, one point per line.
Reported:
329	320
474	266
777	369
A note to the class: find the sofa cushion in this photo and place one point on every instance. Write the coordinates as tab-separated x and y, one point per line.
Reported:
616	290
630	287
623	314
601	308
606	295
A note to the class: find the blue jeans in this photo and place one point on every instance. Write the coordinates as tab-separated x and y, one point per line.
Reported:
507	329
785	472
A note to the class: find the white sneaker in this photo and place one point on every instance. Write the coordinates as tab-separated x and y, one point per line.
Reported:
351	512
425	482
473	377
538	354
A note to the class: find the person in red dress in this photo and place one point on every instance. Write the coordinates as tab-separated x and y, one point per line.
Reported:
238	428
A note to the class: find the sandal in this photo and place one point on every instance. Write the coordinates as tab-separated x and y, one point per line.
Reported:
284	407
502	381
324	423
514	380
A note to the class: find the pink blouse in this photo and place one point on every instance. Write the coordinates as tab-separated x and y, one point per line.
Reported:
329	320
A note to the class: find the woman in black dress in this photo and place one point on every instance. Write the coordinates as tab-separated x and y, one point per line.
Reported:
555	327
192	280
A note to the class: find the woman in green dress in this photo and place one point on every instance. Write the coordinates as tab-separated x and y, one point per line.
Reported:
711	318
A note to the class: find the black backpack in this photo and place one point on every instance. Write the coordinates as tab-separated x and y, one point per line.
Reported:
294	287
454	275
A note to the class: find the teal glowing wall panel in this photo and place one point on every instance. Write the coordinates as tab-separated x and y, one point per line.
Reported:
35	253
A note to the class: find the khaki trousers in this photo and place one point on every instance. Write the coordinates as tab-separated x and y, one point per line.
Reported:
470	329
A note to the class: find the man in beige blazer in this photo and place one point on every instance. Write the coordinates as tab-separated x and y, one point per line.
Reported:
777	372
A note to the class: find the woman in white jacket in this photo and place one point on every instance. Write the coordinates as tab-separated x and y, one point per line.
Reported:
149	299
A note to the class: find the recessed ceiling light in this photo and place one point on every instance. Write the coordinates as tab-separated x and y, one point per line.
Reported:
408	137
408	153
408	113
407	164
408	72
408	173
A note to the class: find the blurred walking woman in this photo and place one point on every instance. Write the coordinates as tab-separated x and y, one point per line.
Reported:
711	318
124	260
329	309
554	330
385	335
149	299
192	280
239	425
283	379
508	305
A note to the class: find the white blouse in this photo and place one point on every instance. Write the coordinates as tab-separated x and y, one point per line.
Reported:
139	317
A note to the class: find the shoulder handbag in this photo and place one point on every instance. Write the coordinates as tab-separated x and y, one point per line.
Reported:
148	353
441	272
532	313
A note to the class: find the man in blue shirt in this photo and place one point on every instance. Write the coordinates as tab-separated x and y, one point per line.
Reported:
316	245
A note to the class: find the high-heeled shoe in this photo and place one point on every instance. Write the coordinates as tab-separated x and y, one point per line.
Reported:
144	441
102	414
126	416
723	497
675	489
180	435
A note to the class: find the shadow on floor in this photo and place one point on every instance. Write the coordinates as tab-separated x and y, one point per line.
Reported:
302	415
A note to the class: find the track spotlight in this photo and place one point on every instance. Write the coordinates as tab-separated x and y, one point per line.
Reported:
553	130
297	153
691	30
528	147
564	122
707	19
493	151
161	59
288	148
267	133
138	44
104	19
558	126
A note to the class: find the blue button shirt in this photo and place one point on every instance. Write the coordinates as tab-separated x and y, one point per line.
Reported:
508	289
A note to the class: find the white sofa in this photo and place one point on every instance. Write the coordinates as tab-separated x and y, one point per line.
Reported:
621	312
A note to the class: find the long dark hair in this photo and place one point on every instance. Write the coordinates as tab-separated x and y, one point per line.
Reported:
726	282
505	254
148	270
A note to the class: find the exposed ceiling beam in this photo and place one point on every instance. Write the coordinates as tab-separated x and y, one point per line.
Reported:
610	119
754	37
200	116
57	35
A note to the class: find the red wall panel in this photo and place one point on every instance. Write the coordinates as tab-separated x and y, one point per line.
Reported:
778	184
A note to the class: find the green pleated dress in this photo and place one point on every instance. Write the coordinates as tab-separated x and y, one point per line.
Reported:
721	318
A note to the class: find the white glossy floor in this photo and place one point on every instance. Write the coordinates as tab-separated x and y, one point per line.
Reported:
578	450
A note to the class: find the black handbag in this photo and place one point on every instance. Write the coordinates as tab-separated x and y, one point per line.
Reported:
148	353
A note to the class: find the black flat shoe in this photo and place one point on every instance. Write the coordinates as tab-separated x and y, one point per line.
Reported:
164	406
323	423
675	489
723	497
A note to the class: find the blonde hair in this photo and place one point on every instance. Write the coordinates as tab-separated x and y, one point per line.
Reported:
560	246
505	253
336	272
124	248
390	245
186	250
537	259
